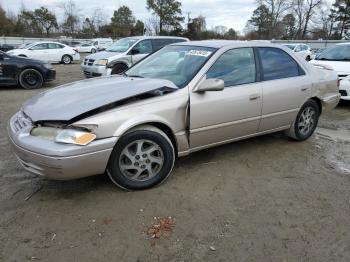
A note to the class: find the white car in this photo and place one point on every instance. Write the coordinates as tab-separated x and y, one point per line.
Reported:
338	58
102	43
301	49
86	48
48	51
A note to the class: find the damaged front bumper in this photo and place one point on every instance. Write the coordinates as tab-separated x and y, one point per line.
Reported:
57	161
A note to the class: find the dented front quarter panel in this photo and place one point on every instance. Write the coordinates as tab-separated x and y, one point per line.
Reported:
169	110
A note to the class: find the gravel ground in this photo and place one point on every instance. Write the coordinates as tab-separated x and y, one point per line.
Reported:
262	199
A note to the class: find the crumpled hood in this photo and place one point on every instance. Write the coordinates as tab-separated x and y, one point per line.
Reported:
103	55
341	67
71	100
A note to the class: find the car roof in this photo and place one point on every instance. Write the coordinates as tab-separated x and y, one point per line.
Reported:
227	43
157	37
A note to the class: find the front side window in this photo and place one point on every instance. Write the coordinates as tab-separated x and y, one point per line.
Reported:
178	64
336	53
235	67
277	64
39	47
144	47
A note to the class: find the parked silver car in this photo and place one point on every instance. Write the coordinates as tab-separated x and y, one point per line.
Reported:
184	98
124	53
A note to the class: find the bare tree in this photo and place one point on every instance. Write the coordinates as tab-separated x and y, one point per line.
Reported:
71	16
152	25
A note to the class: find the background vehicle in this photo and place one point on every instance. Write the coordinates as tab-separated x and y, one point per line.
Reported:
301	49
316	52
28	73
102	43
86	48
338	58
48	51
184	98
6	47
124	53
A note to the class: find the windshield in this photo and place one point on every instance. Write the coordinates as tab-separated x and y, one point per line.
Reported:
178	64
291	46
122	45
336	53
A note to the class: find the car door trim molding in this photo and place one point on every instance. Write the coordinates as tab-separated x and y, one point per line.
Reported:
241	121
280	113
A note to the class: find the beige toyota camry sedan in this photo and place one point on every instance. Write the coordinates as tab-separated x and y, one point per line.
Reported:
183	98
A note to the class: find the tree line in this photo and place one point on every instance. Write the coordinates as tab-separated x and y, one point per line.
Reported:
272	19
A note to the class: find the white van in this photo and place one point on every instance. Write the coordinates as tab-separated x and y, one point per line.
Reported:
124	53
102	43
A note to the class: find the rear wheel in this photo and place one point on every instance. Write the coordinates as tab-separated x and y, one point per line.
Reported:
305	122
66	59
31	79
119	68
93	50
141	159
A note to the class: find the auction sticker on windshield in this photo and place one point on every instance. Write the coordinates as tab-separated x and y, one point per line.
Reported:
204	53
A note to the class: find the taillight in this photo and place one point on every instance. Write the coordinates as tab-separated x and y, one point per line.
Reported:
338	82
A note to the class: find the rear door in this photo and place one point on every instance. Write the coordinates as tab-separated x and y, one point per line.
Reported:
285	86
55	52
221	116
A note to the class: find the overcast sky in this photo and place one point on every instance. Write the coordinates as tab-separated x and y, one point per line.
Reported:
230	13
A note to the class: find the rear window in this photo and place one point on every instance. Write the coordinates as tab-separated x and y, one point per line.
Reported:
336	53
277	64
160	43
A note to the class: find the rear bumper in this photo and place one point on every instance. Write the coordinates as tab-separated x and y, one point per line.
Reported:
329	102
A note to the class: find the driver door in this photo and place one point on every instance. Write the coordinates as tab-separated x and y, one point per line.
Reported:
140	50
40	52
235	112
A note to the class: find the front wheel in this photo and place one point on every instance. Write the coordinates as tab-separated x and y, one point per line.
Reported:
305	122
30	79
66	59
141	159
93	50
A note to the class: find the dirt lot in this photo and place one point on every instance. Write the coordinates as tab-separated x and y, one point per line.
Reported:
263	199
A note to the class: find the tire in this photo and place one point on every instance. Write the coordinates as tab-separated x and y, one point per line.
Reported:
66	59
138	171
119	68
93	50
31	79
306	121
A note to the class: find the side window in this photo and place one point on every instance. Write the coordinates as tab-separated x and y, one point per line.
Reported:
178	41
54	46
144	47
39	47
277	64
235	67
160	43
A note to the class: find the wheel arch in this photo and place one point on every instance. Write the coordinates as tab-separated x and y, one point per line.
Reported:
318	101
157	123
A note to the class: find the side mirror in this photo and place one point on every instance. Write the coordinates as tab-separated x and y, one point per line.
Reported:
135	51
212	84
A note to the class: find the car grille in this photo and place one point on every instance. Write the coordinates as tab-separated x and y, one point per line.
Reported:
89	62
343	92
20	121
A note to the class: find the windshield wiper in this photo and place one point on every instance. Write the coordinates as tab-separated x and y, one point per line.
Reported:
136	76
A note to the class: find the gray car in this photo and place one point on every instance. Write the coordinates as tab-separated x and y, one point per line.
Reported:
124	53
184	98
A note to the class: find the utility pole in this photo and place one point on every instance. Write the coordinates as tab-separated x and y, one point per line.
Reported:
188	19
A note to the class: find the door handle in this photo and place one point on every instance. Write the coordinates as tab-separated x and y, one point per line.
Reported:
254	97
